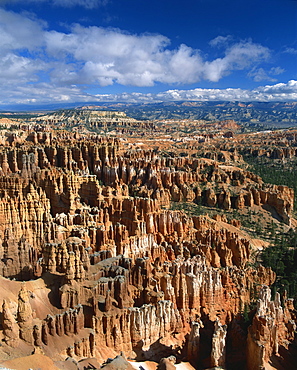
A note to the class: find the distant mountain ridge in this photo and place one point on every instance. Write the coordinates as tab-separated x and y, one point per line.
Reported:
283	114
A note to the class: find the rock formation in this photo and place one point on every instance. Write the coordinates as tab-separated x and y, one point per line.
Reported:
9	325
100	255
273	327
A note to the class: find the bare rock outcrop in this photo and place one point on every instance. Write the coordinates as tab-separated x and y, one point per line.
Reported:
9	325
89	222
24	316
273	326
218	350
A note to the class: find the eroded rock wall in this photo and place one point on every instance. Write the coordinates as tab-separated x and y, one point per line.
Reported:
124	271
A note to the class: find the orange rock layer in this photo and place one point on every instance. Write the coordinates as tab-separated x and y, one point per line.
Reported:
130	274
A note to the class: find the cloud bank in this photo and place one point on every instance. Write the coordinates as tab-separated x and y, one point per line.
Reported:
278	92
39	64
44	94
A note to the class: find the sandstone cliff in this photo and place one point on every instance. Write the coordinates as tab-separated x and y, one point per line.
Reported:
90	224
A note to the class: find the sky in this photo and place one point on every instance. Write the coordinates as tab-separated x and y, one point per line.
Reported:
66	51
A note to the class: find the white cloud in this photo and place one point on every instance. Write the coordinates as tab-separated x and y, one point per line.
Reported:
239	56
88	4
221	41
278	92
245	53
47	93
20	32
113	56
259	74
105	56
290	51
280	88
43	93
17	70
276	71
97	56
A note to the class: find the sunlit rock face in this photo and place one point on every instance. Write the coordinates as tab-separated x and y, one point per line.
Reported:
95	262
273	329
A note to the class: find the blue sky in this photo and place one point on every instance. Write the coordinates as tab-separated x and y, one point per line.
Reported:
137	50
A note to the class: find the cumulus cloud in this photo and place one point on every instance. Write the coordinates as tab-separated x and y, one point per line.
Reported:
47	93
239	56
105	56
31	54
114	56
278	92
280	88
15	70
243	54
20	32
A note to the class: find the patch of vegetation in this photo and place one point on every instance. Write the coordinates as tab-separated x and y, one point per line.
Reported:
252	223
208	169
191	209
281	256
248	314
274	171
